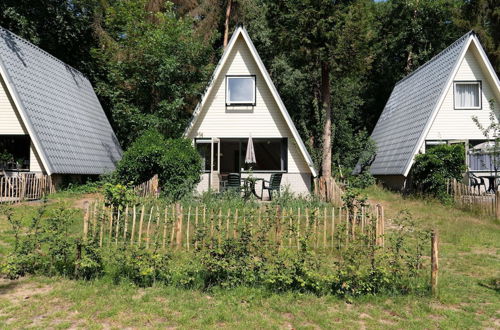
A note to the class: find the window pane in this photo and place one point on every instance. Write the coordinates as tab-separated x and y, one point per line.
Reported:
240	90
467	95
268	154
204	151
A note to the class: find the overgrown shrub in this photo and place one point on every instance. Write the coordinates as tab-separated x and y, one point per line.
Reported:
141	266
89	264
176	162
118	195
440	163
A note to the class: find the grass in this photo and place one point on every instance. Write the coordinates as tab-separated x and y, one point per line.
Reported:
469	258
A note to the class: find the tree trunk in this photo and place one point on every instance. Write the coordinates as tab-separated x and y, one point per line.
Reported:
326	159
323	186
226	22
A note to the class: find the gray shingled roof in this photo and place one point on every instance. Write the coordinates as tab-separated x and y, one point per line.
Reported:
62	111
409	109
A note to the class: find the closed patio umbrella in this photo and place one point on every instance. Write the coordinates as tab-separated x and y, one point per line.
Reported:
250	155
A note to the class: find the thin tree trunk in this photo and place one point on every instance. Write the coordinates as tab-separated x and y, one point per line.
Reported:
326	159
226	22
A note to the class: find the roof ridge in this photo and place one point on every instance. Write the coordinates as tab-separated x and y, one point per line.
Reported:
41	50
437	56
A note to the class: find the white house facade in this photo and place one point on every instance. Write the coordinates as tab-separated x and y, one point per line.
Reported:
435	105
241	101
51	121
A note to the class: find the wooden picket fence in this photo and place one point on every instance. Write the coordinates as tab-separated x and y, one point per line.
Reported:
474	199
25	187
177	227
150	188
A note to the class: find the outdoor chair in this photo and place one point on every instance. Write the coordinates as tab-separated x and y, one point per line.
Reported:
476	182
234	182
274	184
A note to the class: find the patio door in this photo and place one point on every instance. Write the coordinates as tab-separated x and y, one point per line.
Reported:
209	150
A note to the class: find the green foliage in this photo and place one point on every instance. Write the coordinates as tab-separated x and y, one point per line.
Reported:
155	66
118	195
141	266
440	163
175	161
89	264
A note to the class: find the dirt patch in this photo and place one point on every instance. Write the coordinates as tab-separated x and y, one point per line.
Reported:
16	291
83	201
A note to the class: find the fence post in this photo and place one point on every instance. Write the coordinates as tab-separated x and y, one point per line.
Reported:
434	262
86	221
497	204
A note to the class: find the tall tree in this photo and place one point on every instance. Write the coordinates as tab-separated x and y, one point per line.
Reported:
155	65
330	40
61	27
483	16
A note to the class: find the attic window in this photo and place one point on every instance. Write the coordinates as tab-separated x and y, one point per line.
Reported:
240	90
467	95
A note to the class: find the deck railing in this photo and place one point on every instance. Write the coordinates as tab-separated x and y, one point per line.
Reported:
24	187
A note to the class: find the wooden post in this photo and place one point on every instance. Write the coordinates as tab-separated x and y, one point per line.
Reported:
219	236
125	224
298	228
174	222
235	226
178	226
333	228
324	227
101	227
133	226
187	228
165	220
117	227
110	225
140	226
228	222
196	226
86	221
382	226
290	227
148	238
434	262
497	204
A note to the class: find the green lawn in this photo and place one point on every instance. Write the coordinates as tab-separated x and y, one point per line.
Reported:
469	258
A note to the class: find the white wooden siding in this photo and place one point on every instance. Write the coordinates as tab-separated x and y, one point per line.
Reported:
262	120
451	124
35	163
10	122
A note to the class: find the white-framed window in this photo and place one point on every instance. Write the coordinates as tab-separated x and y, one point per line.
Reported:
240	90
467	94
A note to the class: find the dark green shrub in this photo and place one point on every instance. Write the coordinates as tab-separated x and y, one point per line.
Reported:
118	195
89	264
176	162
141	266
440	163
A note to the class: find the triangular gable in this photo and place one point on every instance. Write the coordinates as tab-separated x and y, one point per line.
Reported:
24	118
240	31
472	40
59	108
410	109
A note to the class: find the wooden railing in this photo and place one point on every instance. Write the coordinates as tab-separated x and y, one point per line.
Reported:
150	188
24	187
474	199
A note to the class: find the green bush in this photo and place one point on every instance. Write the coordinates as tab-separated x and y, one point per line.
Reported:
141	266
176	162
90	263
118	195
440	163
